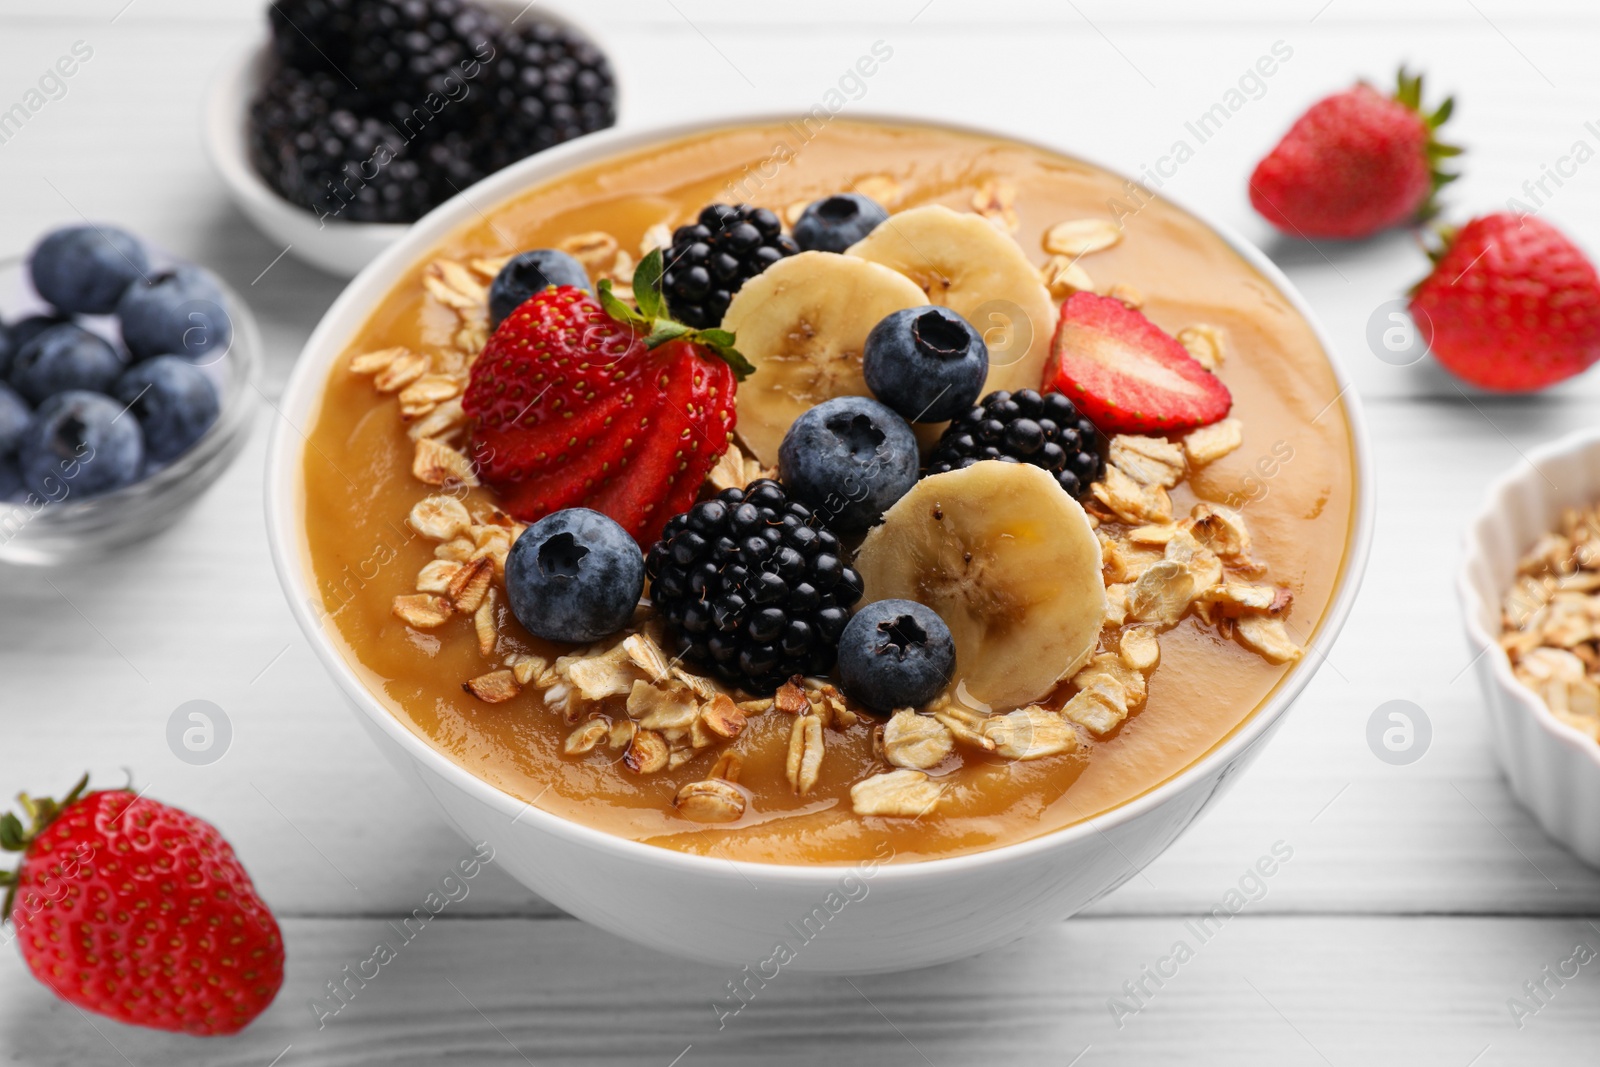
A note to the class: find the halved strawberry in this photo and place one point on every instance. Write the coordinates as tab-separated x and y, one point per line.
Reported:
579	400
1126	374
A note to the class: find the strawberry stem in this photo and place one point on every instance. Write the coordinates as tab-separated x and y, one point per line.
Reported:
15	837
1408	91
657	324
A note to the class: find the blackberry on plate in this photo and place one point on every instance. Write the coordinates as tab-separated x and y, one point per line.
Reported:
710	259
1024	427
753	587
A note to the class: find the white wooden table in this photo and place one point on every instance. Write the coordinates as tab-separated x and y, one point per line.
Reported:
1419	899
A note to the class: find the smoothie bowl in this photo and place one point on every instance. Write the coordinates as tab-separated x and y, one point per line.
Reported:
825	529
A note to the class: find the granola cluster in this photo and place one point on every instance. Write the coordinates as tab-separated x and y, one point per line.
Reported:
1550	620
627	697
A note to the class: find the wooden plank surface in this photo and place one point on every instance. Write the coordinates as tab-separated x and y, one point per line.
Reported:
1419	898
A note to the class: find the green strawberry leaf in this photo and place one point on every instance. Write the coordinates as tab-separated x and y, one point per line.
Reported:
647	285
618	310
12	837
666	330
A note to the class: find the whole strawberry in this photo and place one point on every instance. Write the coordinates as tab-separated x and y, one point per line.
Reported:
140	912
1357	162
1511	304
584	401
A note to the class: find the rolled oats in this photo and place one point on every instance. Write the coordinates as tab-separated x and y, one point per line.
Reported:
645	654
1210	443
373	362
584	739
1147	460
1204	566
1162	594
663	707
1222	530
996	201
437	463
880	187
722	717
483	626
439	517
1080	237
405	368
710	801
1236	598
456	550
899	793
1268	637
647	753
443	421
422	611
496	687
595	249
1139	648
601	675
657	235
916	741
1031	733
1128	295
1130	501
435	575
1207	344
427	392
1100	709
470	585
791	700
804	761
965	725
1063	277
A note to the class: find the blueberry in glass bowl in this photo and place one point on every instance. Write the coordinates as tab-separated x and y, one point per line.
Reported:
127	386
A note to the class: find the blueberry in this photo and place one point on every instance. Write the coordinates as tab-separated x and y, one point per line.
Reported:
6	348
174	402
84	269
927	363
11	487
25	330
180	312
834	223
574	576
896	654
528	273
80	444
849	458
61	358
14	416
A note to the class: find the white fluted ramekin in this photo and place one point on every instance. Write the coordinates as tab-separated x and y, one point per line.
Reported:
1554	770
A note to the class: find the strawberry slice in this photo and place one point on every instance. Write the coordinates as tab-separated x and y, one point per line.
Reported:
580	400
1126	374
683	443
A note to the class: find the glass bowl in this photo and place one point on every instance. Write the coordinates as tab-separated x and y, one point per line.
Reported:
36	531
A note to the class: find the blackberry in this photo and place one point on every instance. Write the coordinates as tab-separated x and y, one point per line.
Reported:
1024	427
754	588
712	258
334	161
453	92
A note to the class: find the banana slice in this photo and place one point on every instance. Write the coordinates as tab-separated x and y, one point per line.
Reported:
963	262
1009	561
802	323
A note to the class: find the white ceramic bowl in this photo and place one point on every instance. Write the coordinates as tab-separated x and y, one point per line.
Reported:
731	912
339	247
1553	769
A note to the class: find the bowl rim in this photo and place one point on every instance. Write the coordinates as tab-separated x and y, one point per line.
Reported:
1473	605
227	117
303	391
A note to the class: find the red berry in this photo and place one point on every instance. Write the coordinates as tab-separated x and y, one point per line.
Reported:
571	407
1127	375
1511	304
141	912
1357	162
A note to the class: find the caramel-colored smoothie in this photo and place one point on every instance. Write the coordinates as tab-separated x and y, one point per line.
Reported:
1293	481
